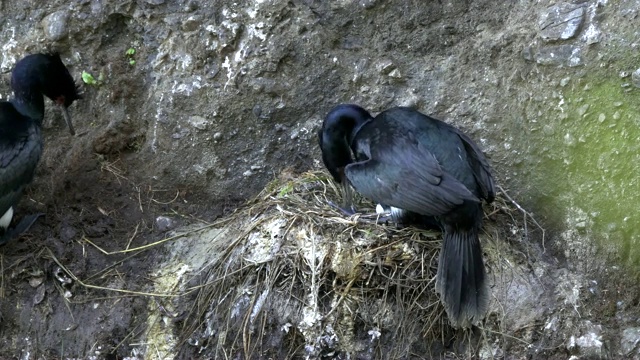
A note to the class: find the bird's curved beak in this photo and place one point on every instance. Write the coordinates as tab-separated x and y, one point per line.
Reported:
67	119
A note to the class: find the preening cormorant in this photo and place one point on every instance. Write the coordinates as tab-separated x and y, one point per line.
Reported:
420	166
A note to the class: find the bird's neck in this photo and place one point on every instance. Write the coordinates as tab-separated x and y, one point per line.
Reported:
357	125
29	104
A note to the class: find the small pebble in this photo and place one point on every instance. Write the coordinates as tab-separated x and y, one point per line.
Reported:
385	66
583	109
55	25
191	24
35	282
395	73
198	122
40	294
368	4
635	78
165	223
67	233
257	111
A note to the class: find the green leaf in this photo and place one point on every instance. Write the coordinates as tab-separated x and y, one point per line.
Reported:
131	52
88	78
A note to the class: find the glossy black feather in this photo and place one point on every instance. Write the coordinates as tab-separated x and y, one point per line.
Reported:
33	77
20	149
419	164
340	126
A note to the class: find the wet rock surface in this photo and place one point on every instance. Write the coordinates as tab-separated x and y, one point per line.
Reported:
218	98
561	21
566	55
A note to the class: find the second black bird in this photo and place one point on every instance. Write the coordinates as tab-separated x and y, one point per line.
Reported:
33	77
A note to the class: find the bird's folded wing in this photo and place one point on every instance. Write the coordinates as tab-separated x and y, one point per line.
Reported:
480	167
409	178
18	160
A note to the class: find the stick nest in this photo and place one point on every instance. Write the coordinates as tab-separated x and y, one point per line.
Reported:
295	278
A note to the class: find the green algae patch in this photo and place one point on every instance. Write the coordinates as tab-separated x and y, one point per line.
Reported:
587	153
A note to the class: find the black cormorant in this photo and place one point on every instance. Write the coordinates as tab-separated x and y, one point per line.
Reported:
20	122
418	165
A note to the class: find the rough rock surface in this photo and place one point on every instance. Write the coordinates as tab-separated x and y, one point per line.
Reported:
561	21
217	98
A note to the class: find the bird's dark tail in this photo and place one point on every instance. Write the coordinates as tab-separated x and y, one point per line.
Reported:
461	277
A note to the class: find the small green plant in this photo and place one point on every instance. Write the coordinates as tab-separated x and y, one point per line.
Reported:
89	79
129	54
286	189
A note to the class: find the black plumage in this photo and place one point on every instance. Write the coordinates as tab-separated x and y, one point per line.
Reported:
33	77
431	171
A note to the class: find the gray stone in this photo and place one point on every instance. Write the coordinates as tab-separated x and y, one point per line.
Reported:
592	35
561	21
198	122
55	25
257	110
164	223
228	33
527	53
583	109
385	66
629	340
565	55
635	78
368	4
590	344
395	73
192	23
602	118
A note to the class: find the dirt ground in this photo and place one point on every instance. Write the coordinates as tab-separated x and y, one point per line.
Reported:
92	209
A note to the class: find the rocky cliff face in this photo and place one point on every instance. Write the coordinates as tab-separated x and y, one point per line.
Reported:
223	96
193	106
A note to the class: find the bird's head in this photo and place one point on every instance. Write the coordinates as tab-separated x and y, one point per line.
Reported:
338	130
46	74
